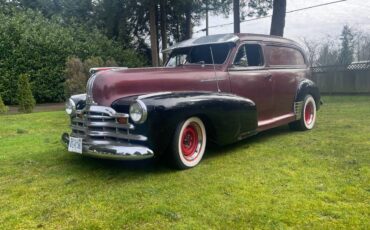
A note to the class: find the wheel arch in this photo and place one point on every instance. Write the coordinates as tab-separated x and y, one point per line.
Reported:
308	87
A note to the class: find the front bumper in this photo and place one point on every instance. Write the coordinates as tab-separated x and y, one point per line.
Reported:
114	152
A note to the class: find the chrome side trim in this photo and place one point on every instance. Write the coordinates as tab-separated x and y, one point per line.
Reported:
298	107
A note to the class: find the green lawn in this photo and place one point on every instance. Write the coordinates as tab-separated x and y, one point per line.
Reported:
275	180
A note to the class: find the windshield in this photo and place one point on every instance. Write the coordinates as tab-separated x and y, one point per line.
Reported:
199	55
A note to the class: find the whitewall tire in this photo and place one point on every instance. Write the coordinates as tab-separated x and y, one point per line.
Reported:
189	143
308	115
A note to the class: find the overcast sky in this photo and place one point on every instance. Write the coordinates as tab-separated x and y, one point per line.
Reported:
314	23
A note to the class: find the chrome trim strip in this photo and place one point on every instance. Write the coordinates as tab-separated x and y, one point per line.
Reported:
97	69
89	89
145	96
117	135
99	124
101	109
99	117
298	107
214	79
111	125
79	128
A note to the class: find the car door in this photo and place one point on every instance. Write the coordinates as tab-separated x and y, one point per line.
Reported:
285	64
250	79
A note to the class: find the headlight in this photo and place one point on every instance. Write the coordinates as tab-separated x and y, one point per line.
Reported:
138	112
70	107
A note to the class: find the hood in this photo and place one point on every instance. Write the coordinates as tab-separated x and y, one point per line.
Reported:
111	85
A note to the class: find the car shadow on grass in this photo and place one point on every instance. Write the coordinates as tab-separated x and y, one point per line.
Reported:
161	165
217	151
145	166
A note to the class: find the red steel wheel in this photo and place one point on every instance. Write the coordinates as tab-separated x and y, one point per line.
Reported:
189	143
309	112
189	140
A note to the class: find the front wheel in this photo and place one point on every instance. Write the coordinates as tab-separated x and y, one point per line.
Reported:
308	115
189	143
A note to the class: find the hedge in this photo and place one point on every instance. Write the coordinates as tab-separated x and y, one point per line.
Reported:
39	47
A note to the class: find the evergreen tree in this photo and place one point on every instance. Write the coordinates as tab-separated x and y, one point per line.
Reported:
347	49
3	107
26	102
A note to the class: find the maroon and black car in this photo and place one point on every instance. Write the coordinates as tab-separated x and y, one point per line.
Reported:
219	88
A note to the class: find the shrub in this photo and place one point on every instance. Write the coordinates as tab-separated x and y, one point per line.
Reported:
39	47
26	102
111	63
76	77
77	73
92	62
3	107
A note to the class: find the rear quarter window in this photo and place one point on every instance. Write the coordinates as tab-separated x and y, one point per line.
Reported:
285	56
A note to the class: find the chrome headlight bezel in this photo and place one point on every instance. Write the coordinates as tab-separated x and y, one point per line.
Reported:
70	107
138	112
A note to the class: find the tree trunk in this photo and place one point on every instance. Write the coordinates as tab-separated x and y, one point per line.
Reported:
188	26
153	33
207	21
164	27
278	18
236	7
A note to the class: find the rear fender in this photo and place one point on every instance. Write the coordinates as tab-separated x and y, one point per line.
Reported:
305	87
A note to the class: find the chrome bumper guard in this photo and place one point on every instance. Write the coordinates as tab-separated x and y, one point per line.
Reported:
113	152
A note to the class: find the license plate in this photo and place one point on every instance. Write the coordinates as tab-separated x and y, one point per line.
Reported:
75	145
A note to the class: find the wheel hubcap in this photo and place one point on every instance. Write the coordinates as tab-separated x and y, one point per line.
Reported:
309	113
190	141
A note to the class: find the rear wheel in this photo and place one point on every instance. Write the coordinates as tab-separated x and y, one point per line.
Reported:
189	143
308	115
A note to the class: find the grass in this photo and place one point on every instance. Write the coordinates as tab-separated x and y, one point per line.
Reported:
278	179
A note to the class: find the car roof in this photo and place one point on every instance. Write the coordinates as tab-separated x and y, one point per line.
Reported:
229	38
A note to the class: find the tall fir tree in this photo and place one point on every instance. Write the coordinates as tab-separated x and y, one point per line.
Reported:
347	49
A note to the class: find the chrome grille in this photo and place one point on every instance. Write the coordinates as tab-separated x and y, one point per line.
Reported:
98	125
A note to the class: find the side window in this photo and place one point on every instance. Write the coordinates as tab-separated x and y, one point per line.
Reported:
249	55
283	56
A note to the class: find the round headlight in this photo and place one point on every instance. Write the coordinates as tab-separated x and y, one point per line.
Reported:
138	112
70	107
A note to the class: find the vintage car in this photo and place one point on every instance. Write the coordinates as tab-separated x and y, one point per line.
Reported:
220	89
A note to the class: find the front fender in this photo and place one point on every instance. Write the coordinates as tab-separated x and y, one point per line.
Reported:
228	118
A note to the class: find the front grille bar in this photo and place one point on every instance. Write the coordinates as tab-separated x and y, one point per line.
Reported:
99	124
